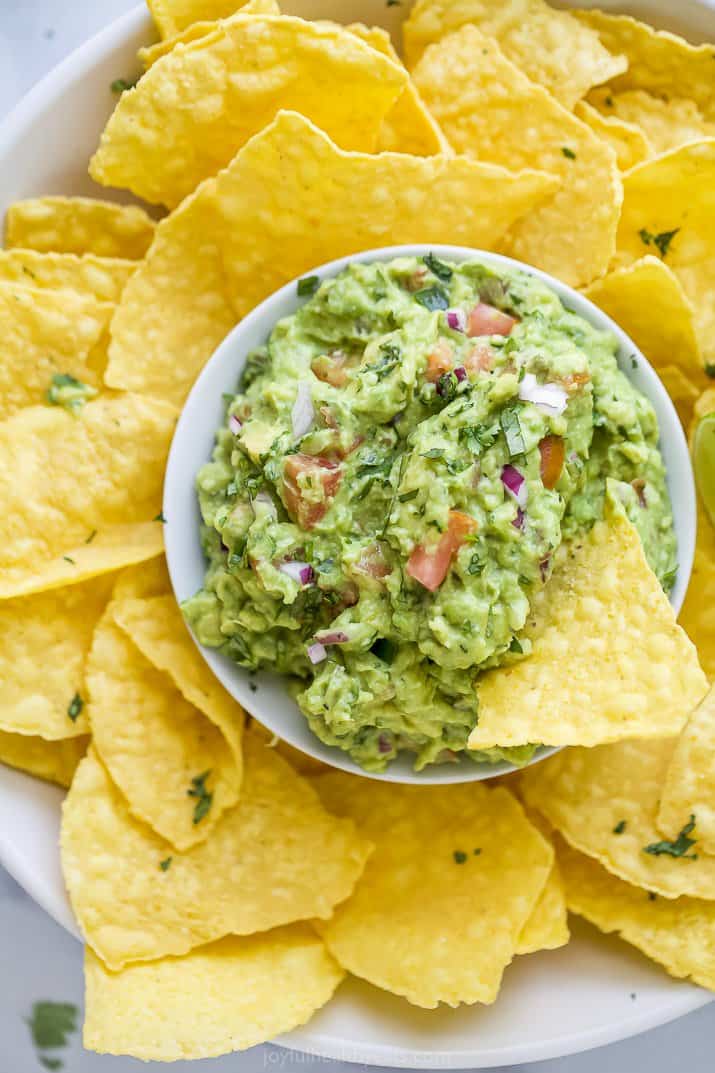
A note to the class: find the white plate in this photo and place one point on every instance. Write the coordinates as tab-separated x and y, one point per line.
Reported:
592	992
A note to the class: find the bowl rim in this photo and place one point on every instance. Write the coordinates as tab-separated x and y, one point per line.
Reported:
182	528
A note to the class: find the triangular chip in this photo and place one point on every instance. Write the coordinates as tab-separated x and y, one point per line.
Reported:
689	787
602	607
455	876
550	46
666	122
229	85
547	928
276	858
680	935
489	110
69	482
627	141
684	391
147	579
253	228
47	336
54	761
697	615
101	278
44	641
175	768
79	225
668	208
174	16
604	801
227	996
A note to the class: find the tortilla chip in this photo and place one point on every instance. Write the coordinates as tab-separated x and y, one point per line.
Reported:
173	765
547	928
549	46
101	278
144	580
668	209
175	16
196	28
192	112
227	996
697	615
602	607
680	935
54	761
665	122
408	127
64	478
657	61
627	140
455	876
79	225
45	333
44	641
253	228
630	295
689	787
684	391
604	802
257	871
491	111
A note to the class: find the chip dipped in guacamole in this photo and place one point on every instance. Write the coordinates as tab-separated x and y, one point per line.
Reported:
400	465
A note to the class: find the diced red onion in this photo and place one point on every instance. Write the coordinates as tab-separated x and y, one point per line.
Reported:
544	567
461	373
317	652
301	573
549	397
234	425
302	415
456	319
515	483
384	744
520	520
332	637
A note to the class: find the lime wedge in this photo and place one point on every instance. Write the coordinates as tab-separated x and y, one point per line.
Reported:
704	461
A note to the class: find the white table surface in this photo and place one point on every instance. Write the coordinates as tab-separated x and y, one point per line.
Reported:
40	961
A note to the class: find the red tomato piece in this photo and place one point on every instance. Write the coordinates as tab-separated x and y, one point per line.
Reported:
323	472
439	361
488	320
430	567
552	460
480	359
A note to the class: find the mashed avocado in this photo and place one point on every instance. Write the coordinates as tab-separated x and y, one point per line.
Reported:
400	464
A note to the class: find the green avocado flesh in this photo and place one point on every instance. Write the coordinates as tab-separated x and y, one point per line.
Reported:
393	481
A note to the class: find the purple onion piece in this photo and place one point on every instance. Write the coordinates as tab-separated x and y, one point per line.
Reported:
384	744
515	483
520	520
461	373
234	425
302	415
332	637
456	319
317	652
301	573
544	567
552	398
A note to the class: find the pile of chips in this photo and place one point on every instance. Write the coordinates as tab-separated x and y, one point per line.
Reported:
224	883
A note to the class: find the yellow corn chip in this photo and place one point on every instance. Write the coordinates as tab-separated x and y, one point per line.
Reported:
697	615
604	802
101	278
150	578
455	877
190	114
668	208
408	127
689	787
630	295
680	935
54	761
627	140
175	16
65	477
491	111
603	607
227	996
657	61
665	122
46	333
79	225
173	765
547	928
274	213
549	46
258	870
44	641
684	391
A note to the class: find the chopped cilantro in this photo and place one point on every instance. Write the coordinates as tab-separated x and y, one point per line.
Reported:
478	438
432	298
516	646
68	559
52	1023
608	101
437	267
75	707
165	865
511	427
459	856
679	847
394	3
434	452
91	537
66	390
634	362
652	896
204	797
51	1063
669	578
620	827
407	496
390	357
160	518
121	85
710	369
568	153
661	240
447	385
475	565
476	852
308	286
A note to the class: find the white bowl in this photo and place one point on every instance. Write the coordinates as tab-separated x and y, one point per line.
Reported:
265	695
552	1004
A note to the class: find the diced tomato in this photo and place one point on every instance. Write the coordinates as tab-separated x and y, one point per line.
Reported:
488	320
331	368
552	460
575	381
430	567
439	361
480	359
323	472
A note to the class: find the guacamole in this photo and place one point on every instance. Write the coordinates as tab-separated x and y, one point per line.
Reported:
395	475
